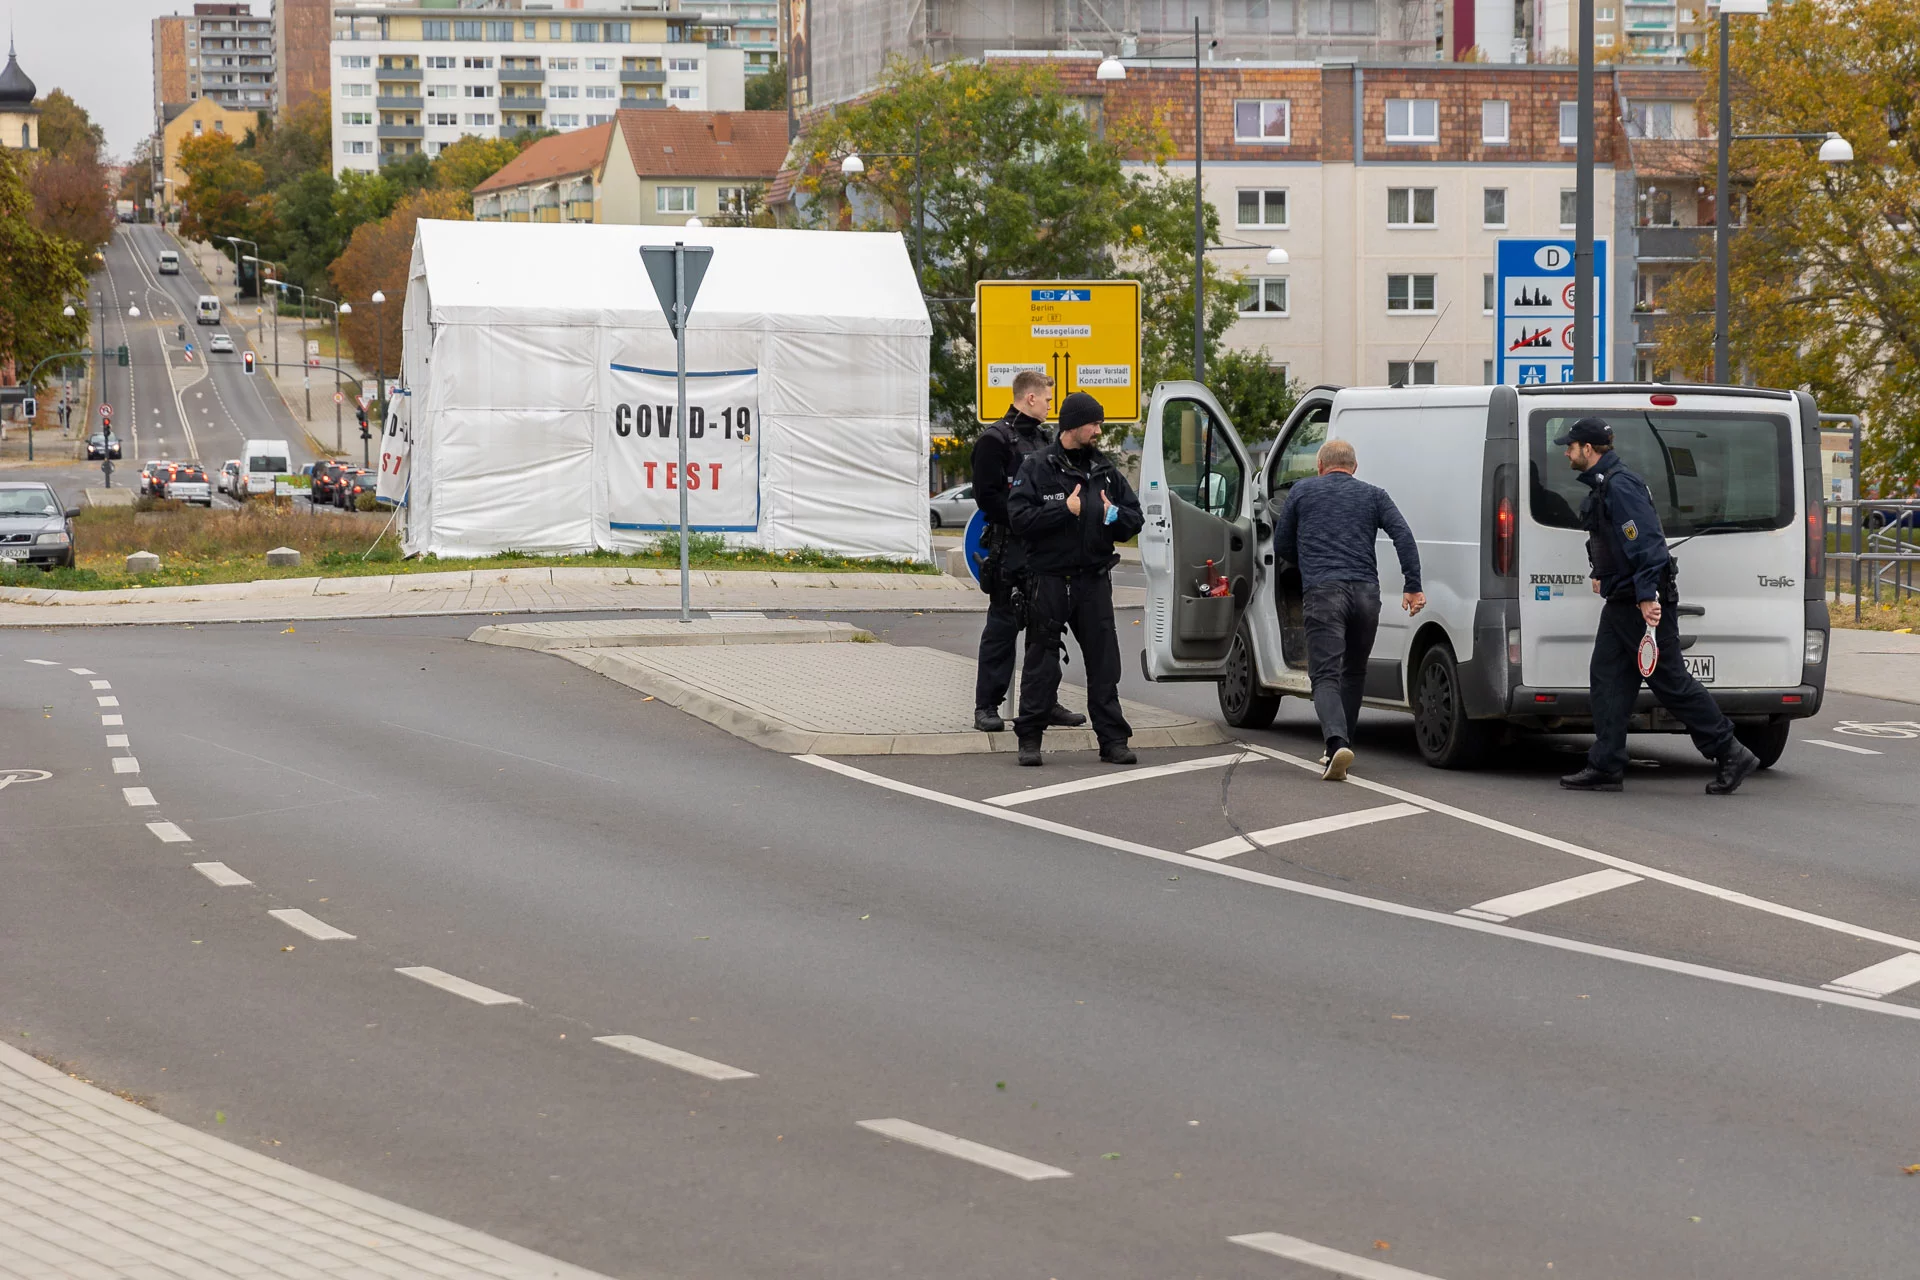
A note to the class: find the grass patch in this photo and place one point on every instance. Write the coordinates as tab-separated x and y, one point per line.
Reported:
198	546
1886	616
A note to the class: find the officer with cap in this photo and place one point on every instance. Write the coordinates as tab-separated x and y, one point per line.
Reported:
1070	504
1633	569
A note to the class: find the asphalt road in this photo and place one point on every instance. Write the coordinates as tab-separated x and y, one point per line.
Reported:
1304	1039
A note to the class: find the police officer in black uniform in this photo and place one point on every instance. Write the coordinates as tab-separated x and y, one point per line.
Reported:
997	456
1070	504
1633	569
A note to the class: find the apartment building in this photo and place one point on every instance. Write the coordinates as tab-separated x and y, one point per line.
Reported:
410	80
302	30
1623	30
219	51
753	25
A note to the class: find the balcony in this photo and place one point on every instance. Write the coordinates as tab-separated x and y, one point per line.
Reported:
511	131
400	131
515	103
400	104
413	74
641	104
1674	244
643	77
522	75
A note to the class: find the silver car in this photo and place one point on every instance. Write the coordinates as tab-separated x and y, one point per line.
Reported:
220	343
952	508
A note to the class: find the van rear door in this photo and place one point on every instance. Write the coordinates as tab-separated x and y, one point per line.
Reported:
1194	489
1725	474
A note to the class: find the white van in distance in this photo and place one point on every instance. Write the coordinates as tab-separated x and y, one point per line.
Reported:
207	311
169	262
261	463
1504	643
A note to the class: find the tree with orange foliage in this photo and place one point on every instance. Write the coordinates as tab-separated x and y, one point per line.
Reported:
378	258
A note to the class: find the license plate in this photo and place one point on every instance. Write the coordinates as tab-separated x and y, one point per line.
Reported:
1700	667
13	553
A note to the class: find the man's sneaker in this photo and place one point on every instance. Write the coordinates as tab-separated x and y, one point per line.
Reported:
1337	765
987	720
1735	765
1591	779
1118	753
1030	753
1064	718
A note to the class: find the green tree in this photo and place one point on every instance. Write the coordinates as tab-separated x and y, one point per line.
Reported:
223	196
768	92
301	142
378	258
1256	394
308	234
38	273
470	161
1017	184
67	131
1826	274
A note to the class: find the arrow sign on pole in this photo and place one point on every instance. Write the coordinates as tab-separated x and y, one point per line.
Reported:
659	260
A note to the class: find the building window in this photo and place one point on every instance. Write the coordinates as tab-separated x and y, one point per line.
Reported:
563	64
356	61
563	91
1487	292
562	121
1493	207
1410	206
600	91
436	29
1268	120
1410	293
1603	13
1651	120
443	91
199	128
586	33
500	31
479	91
1264	208
733	200
619	33
443	117
683	64
483	118
356	117
1569	207
553	31
682	92
673	200
1603	39
594	120
1410	373
599	64
1569	124
356	91
1494	121
1264	296
1413	120
1486	373
529	30
477	63
356	148
436	62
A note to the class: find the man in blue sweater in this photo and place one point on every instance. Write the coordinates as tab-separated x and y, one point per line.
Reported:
1327	527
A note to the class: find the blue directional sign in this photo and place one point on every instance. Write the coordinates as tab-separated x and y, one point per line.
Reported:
1533	329
975	542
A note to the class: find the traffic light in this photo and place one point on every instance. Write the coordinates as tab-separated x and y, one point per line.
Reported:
366	432
106	417
29	409
122	355
246	362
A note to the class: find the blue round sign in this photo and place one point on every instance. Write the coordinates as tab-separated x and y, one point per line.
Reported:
975	542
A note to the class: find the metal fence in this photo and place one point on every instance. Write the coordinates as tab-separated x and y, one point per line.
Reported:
1873	544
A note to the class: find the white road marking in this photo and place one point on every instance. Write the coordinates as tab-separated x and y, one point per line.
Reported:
221	874
1301	830
1842	746
79	671
470	990
169	833
112	720
99	684
42	662
108	701
1295	1249
312	926
1227	870
675	1058
126	764
1115	779
1881	979
1606	859
118	740
962	1149
138	796
1528	901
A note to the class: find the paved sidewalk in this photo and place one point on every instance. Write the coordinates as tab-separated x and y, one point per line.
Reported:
94	1188
1875	664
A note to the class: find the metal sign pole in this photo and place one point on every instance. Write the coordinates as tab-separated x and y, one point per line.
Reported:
680	411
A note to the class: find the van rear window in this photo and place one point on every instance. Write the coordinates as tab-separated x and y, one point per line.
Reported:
277	465
1709	472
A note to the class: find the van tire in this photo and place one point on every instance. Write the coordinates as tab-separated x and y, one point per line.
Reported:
1242	705
1768	741
1446	738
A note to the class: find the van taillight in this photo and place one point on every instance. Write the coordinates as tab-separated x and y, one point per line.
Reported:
1503	536
1816	543
1663	398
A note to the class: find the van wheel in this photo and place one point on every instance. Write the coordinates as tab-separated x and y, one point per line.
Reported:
1767	740
1242	704
1447	739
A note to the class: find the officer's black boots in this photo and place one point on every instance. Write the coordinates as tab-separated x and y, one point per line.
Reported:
987	720
1735	765
1065	718
1030	753
1118	753
1591	779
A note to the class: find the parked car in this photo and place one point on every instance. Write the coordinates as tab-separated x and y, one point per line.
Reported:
34	528
101	445
951	508
351	483
188	482
220	344
325	473
230	476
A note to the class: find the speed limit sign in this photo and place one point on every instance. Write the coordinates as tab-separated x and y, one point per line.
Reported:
338	398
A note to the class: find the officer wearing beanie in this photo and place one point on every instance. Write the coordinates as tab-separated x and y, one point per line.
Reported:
1069	505
1634	571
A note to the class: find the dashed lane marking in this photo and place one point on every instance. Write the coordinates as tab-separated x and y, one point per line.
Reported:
42	662
1294	1249
108	700
1227	870
118	740
963	1149
138	797
99	684
79	671
1301	830
1117	779
126	764
672	1057
484	995
1528	901
1842	746
169	833
1881	979
109	721
221	874
312	926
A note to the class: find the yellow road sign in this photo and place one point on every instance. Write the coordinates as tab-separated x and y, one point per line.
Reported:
1085	334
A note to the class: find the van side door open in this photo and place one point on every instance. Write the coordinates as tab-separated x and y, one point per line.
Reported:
1198	546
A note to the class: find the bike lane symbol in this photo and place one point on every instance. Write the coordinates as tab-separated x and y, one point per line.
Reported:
1879	729
10	776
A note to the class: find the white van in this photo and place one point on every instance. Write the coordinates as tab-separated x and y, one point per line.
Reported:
261	463
208	310
1504	643
169	262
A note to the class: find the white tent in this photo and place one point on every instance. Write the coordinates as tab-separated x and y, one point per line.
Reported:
539	371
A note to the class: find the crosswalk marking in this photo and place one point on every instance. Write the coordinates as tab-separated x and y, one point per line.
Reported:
1881	979
1301	830
1527	901
1098	781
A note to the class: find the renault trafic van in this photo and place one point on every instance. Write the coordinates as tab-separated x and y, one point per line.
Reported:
1504	643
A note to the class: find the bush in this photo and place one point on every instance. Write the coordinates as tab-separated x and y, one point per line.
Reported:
367	502
105	536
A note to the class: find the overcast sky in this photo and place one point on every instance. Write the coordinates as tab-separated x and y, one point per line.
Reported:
101	53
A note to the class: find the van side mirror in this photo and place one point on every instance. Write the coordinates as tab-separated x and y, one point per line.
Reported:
73	513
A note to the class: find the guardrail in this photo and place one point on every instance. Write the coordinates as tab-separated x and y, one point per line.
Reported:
1880	539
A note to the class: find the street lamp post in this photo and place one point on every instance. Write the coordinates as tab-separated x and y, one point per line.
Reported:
339	309
306	376
259	329
853	166
380	352
259	263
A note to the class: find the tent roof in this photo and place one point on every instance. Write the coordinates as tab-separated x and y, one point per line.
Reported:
588	274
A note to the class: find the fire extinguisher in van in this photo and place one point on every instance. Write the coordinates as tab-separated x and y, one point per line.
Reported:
1212	584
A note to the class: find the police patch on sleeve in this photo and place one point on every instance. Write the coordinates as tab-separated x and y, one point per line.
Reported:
1631	529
